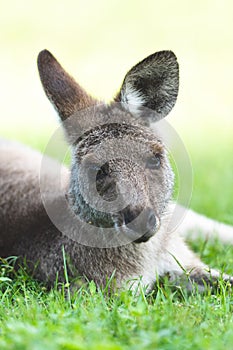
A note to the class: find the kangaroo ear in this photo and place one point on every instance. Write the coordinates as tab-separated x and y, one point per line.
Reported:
153	83
61	89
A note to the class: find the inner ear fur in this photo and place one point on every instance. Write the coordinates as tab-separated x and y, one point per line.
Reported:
153	84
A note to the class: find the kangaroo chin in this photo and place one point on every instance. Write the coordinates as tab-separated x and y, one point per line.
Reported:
116	194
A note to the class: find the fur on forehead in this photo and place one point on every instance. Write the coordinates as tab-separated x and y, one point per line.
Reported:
135	135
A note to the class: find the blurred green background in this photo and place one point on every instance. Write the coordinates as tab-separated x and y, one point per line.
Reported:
98	41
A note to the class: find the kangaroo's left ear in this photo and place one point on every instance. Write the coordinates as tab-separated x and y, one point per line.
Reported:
153	83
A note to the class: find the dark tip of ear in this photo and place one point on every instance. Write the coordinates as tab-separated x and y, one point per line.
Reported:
62	90
45	60
52	74
45	57
44	53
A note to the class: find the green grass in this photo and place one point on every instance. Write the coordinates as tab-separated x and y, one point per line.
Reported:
212	181
33	318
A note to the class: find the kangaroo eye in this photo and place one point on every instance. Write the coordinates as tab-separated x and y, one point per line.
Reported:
153	162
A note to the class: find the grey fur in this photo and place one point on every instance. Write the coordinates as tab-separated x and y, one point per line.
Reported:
27	231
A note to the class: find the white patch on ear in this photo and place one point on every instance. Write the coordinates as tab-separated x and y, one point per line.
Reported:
131	99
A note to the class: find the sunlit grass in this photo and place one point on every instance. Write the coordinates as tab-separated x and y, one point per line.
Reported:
33	318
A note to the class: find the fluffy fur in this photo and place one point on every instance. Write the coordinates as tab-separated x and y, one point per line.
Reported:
26	228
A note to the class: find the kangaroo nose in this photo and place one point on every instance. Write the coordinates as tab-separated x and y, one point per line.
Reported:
143	224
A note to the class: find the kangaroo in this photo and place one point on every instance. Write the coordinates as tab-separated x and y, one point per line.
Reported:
109	213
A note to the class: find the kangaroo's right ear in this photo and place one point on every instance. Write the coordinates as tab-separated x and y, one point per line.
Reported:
153	83
61	89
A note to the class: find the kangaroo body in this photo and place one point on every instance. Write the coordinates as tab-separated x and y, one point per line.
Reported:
144	250
26	231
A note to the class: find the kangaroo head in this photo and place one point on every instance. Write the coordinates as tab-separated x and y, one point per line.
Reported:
120	174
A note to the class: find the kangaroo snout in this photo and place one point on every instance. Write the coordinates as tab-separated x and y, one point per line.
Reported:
142	221
145	225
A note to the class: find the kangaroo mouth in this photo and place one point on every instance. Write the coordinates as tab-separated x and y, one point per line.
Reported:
139	226
145	237
134	235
